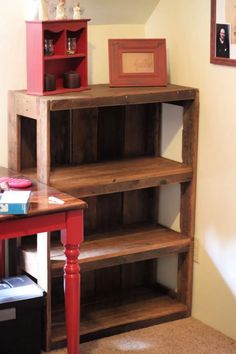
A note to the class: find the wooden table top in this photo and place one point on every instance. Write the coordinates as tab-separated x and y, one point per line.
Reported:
100	95
39	203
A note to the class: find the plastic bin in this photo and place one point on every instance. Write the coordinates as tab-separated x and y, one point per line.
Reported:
21	305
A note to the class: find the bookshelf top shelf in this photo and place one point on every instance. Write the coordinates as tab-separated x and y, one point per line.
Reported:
102	95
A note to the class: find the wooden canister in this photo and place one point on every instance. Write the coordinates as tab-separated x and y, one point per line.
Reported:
71	79
49	82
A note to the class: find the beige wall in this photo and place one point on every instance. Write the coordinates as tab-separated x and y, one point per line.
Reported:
12	67
13	57
186	25
98	48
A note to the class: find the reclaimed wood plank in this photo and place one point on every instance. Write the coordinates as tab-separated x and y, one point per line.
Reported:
102	95
117	247
115	176
117	313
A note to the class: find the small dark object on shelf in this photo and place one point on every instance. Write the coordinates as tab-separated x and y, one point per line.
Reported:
71	79
49	82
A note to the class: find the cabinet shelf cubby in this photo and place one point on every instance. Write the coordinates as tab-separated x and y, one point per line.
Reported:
57	61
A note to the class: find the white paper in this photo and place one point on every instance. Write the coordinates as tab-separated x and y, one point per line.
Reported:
15	197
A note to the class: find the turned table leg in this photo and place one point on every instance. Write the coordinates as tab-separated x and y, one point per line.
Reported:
72	236
2	258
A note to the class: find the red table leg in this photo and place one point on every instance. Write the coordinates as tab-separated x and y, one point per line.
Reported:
2	259
71	239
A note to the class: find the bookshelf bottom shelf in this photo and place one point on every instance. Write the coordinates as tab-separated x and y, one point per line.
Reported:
118	313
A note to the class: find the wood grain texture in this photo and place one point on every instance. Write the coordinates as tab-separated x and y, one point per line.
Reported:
140	130
117	247
106	147
43	144
102	95
39	203
110	132
27	142
115	176
14	160
60	138
121	312
136	206
84	131
188	198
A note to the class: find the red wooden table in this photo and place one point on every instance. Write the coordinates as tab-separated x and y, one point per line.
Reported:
45	217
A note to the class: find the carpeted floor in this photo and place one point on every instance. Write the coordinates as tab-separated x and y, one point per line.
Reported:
187	336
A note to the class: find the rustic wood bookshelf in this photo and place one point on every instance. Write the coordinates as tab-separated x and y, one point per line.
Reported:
104	145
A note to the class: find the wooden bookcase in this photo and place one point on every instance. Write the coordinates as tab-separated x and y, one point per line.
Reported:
39	64
104	146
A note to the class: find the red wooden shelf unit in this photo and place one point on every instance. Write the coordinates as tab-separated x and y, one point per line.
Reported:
39	64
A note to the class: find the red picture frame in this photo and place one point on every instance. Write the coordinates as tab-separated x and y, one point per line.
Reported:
137	62
222	21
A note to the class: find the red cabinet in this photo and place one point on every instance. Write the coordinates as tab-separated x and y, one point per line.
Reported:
51	63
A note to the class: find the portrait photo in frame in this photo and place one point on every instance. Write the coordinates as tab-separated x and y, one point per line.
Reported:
223	32
137	62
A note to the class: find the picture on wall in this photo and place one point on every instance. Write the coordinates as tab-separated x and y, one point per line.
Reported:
223	32
222	41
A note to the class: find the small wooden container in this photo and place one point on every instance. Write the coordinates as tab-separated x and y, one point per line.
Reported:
71	79
49	82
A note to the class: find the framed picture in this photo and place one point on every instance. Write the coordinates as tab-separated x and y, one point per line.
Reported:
223	32
137	62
